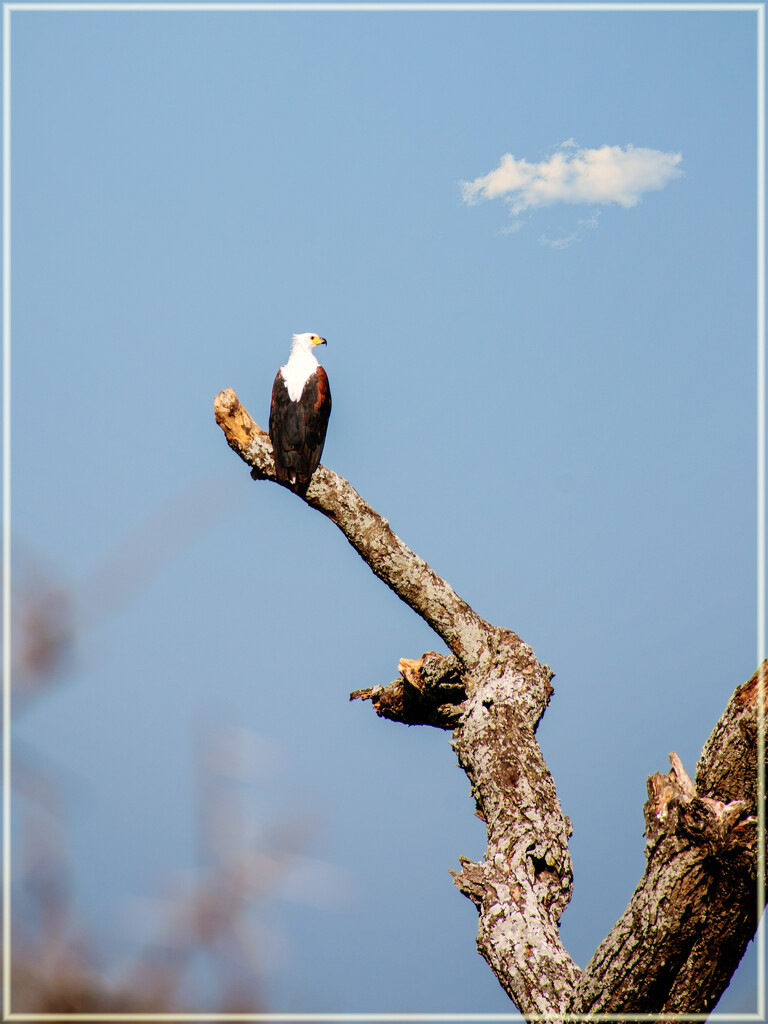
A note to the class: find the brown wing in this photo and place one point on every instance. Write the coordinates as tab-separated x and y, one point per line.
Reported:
316	400
283	430
297	429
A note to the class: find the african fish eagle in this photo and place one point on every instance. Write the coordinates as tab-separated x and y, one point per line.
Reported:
298	417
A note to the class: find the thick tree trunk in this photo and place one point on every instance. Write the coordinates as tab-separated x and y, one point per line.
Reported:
696	907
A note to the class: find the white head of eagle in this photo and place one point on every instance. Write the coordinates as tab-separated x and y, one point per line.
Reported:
298	417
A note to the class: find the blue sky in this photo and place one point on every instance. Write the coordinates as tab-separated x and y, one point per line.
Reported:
556	407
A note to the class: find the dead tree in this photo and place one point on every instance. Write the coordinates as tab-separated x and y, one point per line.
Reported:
677	944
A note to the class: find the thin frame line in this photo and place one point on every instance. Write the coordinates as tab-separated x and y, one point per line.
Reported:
380	1017
6	512
761	526
385	7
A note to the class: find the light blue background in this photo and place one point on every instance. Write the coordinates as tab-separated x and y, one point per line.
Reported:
569	437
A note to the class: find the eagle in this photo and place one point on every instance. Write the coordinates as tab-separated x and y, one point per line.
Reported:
298	417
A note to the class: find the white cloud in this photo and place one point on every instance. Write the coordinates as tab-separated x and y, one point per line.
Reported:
510	229
590	222
610	174
559	243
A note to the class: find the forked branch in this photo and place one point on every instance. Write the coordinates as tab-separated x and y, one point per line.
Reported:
694	910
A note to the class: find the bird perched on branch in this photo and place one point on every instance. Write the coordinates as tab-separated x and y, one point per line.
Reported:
298	417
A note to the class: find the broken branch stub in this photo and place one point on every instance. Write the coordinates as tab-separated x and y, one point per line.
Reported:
429	691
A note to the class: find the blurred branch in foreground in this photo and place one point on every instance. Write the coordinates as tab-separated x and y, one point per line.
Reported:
209	918
49	614
57	966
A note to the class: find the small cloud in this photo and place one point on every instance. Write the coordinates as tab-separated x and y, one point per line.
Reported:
604	176
510	229
590	222
559	243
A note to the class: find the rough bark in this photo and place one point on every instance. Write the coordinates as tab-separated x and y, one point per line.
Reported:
676	946
693	913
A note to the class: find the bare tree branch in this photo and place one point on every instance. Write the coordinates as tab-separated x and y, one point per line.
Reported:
524	882
694	911
409	576
691	917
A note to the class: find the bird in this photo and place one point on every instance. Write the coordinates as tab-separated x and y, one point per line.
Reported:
298	415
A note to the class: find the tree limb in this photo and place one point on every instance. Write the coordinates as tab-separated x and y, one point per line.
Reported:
676	946
694	911
409	576
527	866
